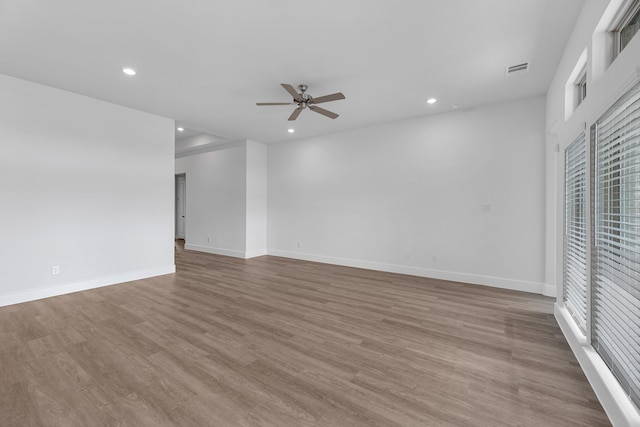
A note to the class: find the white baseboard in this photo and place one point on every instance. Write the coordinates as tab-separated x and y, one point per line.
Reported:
36	294
549	290
225	252
496	282
255	253
620	410
215	251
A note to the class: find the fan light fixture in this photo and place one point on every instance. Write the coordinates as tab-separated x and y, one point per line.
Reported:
303	100
129	71
291	130
431	101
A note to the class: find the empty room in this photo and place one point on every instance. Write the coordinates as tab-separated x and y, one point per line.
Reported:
329	213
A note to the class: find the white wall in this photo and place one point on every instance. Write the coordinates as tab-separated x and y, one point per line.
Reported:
216	199
86	186
605	85
192	144
413	196
226	198
256	199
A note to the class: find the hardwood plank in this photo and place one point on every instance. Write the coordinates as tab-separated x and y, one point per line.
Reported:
277	342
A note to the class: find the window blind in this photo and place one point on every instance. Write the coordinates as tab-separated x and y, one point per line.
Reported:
575	231
615	276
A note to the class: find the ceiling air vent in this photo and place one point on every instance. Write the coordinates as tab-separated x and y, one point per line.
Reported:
517	69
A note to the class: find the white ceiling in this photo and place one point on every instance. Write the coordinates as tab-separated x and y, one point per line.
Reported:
205	63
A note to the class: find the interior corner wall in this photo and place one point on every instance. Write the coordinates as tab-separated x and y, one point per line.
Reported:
86	186
457	196
216	196
605	84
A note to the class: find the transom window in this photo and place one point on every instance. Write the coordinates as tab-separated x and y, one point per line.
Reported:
627	26
581	88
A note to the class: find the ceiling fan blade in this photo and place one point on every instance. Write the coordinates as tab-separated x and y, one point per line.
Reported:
291	91
274	103
327	98
324	112
295	113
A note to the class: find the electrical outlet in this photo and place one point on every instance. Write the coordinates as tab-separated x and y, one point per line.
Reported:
299	244
434	259
55	270
208	239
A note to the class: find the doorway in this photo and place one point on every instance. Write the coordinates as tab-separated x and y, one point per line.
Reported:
181	205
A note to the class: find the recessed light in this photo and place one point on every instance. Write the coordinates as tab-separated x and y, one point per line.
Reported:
129	71
291	130
180	129
431	101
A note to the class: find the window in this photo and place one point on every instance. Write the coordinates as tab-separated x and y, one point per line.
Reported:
629	28
576	85
575	232
615	250
627	25
581	88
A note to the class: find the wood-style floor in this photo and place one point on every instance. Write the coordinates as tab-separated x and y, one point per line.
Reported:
277	342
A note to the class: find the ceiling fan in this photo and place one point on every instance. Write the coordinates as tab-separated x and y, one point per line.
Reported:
304	100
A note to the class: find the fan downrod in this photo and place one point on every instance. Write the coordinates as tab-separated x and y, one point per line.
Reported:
304	95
